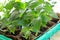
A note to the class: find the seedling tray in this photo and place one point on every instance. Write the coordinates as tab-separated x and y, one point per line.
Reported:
50	33
2	37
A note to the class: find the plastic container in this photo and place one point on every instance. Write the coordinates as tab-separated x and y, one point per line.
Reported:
2	37
50	33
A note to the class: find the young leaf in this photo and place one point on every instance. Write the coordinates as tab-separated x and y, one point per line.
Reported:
54	15
26	32
41	1
9	5
34	4
36	25
12	28
1	7
48	8
17	0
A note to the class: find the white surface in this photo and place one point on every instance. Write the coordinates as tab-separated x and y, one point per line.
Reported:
1	1
56	8
56	36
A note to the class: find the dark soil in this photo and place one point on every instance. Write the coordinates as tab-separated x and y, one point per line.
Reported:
18	36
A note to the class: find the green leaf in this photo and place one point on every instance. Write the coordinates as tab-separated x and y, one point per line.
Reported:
41	1
35	25
9	5
12	28
44	19
5	23
17	0
54	2
54	15
34	4
1	7
26	32
7	14
19	5
48	8
20	22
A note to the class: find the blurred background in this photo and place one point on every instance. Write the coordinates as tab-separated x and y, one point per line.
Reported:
56	8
